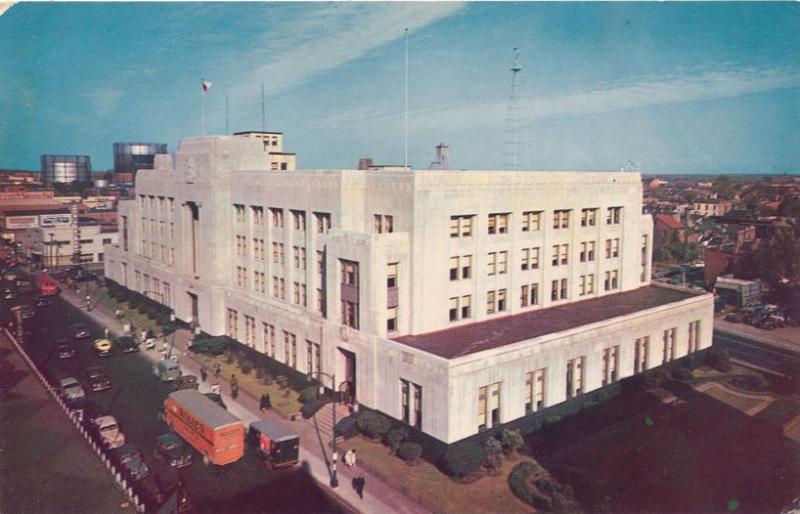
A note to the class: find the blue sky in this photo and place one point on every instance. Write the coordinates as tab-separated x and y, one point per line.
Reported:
672	87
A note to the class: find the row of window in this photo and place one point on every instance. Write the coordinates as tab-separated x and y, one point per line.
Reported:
312	349
489	404
322	220
497	262
530	221
153	204
149	286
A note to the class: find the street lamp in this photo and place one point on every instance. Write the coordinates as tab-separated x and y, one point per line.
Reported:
52	235
334	455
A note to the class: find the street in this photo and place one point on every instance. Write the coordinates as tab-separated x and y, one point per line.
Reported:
756	353
136	394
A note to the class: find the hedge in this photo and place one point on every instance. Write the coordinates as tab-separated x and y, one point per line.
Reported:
519	481
409	452
373	424
393	439
308	394
462	459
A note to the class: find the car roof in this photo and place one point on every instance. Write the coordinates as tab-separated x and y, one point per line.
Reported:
95	369
69	381
102	341
104	420
78	325
168	439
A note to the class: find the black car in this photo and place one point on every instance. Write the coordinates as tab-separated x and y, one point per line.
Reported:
127	344
66	351
131	460
97	379
171	450
79	331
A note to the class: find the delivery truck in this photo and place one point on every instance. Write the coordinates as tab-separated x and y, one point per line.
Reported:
210	429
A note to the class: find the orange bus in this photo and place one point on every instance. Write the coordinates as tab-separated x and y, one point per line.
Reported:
214	432
46	284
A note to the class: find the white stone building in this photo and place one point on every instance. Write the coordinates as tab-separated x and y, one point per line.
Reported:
451	300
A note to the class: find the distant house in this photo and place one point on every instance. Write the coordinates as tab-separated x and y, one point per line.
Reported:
664	228
713	207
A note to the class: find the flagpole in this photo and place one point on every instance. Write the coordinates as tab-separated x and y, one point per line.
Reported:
263	110
203	111
227	125
405	112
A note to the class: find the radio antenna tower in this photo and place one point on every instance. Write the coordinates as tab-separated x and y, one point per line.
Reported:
514	121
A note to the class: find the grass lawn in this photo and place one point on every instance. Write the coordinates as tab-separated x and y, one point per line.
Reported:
741	403
433	489
284	401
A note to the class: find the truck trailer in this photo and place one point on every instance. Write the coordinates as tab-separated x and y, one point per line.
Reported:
210	429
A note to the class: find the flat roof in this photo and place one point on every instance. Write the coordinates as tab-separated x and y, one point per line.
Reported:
457	342
273	429
204	409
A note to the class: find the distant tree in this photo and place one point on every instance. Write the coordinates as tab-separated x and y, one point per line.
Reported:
790	207
723	186
779	260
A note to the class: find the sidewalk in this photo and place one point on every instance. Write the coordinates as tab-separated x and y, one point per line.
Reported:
315	433
787	338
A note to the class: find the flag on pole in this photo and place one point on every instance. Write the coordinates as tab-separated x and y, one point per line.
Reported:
206	84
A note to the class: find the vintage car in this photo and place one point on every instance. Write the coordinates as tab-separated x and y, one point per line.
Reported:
103	347
97	379
65	351
79	331
127	344
108	429
131	460
171	450
72	392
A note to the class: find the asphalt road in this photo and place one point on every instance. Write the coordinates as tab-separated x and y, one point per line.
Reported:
245	486
759	354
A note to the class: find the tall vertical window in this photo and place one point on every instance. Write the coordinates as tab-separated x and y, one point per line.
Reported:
610	364
454	268
411	404
466	307
277	217
669	344
249	330
489	406
269	338
641	351
299	220
502	262
240	212
466	266
258	214
384	223
233	324
349	289
534	390
323	222
694	336
575	370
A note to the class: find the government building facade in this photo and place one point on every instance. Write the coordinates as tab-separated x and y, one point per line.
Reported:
453	301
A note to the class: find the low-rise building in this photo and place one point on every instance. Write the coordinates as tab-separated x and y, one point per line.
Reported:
453	301
54	245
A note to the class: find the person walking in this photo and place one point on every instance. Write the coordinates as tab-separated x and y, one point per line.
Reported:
265	403
203	373
234	391
217	370
358	484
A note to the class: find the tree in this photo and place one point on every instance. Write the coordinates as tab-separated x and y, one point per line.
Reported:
723	186
779	260
790	207
512	441
493	450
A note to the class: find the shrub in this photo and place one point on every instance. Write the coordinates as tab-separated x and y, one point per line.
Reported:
512	441
134	301
519	481
681	373
230	355
246	365
373	424
409	452
261	372
307	394
462	459
209	346
718	359
493	451
142	308
550	420
393	438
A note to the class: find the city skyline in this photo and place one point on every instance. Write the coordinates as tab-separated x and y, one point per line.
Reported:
670	88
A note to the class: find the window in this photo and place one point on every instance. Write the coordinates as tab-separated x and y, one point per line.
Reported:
299	220
290	349
560	254
575	376
249	330
466	307
461	225
411	404
296	291
523	297
531	221
590	283
641	349
611	281
277	217
560	219
296	256
534	294
454	268
563	288
320	263
391	275
556	249
454	309
554	290
534	390
526	252
350	314
669	345
241	276
466	266
502	262
258	214
612	248
349	273
694	336
534	258
564	254
587	251
320	301
240	212
613	215
588	217
495	301
490	302
384	223
489	406
233	324
501	300
491	263
391	319
323	222
610	364
498	223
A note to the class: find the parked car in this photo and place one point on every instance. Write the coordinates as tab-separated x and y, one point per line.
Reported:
72	392
79	331
127	344
167	369
171	450
8	294
27	312
167	483
131	460
103	348
97	379
66	351
108	429
42	302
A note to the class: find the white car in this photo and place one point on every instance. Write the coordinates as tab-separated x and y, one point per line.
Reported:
112	437
72	392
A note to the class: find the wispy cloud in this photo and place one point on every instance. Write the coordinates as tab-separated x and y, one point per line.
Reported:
103	99
706	85
331	35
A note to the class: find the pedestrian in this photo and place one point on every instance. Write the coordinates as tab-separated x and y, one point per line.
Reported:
359	484
348	458
203	373
105	332
234	381
266	402
352	457
217	370
234	391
